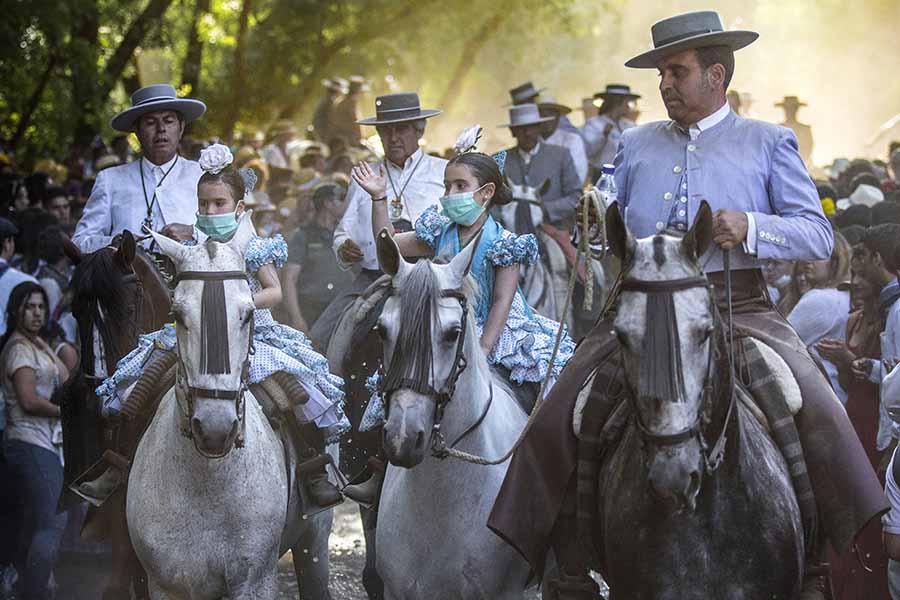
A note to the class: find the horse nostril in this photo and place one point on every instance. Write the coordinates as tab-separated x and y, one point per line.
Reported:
420	440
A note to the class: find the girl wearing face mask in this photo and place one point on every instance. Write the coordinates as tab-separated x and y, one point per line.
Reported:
220	196
513	336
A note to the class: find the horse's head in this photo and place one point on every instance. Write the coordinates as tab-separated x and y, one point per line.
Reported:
426	333
526	212
665	323
213	310
107	295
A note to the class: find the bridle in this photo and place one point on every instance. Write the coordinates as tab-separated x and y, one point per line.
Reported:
445	394
712	454
185	393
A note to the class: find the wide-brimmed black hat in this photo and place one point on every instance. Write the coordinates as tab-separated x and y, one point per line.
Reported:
153	98
616	90
791	101
398	108
687	31
524	94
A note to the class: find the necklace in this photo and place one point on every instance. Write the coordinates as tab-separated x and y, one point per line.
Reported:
396	203
148	220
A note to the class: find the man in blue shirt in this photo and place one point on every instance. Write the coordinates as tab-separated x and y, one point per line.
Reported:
765	207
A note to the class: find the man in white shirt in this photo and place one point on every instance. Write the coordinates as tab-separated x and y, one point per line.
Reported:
557	136
275	152
160	189
10	277
602	133
415	180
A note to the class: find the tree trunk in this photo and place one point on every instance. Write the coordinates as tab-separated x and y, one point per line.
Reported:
33	102
238	76
467	59
193	58
149	18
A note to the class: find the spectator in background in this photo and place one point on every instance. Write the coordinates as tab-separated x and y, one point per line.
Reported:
876	255
859	214
886	212
346	112
10	277
342	163
29	373
53	274
778	277
853	234
275	152
122	149
323	116
822	311
30	223
57	204
555	135
798	286
865	178
312	277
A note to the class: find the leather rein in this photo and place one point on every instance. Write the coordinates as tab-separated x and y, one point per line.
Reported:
445	394
184	390
713	454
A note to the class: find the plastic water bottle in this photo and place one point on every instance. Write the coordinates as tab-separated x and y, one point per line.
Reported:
606	185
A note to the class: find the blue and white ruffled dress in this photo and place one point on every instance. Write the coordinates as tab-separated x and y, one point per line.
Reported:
526	342
277	347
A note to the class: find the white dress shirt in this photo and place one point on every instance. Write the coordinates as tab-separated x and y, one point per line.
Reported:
527	155
572	142
425	188
118	203
601	150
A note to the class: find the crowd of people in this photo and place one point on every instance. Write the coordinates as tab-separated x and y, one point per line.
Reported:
844	308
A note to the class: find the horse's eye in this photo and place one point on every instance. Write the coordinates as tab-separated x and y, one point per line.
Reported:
452	334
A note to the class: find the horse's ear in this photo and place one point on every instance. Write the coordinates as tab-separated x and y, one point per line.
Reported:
388	253
462	262
697	239
542	189
72	251
127	249
174	250
621	242
244	234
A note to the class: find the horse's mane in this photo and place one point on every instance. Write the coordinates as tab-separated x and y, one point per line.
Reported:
97	281
419	296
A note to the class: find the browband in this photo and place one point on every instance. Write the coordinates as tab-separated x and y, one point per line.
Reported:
208	276
671	285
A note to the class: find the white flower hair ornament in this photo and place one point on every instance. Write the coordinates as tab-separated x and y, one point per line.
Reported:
468	139
214	158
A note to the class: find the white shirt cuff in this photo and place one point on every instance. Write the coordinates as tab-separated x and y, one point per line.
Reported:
750	241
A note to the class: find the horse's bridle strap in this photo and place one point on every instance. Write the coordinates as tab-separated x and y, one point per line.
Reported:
666	286
209	276
214	394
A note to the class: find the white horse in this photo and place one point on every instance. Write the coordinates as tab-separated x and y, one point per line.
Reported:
206	520
432	537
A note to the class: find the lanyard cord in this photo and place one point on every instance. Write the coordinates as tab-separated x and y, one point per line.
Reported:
151	203
391	180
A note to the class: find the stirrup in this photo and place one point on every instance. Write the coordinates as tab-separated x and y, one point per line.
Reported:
308	505
108	460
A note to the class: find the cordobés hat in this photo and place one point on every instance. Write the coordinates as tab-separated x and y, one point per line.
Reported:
337	84
154	98
687	31
791	101
398	108
525	114
549	102
524	94
358	84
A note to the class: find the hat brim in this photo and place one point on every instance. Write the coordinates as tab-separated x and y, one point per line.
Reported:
733	39
189	108
532	122
423	114
561	108
601	98
791	103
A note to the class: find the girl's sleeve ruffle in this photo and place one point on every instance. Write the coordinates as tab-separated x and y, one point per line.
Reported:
430	225
263	251
510	249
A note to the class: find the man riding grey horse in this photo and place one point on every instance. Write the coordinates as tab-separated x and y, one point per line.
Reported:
766	207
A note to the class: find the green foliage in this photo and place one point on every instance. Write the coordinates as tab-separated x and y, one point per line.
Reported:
288	47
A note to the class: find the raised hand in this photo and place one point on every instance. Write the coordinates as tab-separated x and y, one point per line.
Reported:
374	183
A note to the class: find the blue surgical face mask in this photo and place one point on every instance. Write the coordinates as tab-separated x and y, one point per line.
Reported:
462	208
218	228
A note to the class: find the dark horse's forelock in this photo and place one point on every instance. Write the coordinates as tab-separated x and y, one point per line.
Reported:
98	283
411	362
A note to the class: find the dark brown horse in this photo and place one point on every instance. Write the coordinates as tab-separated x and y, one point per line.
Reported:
118	293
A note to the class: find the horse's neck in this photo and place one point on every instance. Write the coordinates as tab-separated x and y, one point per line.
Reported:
477	397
